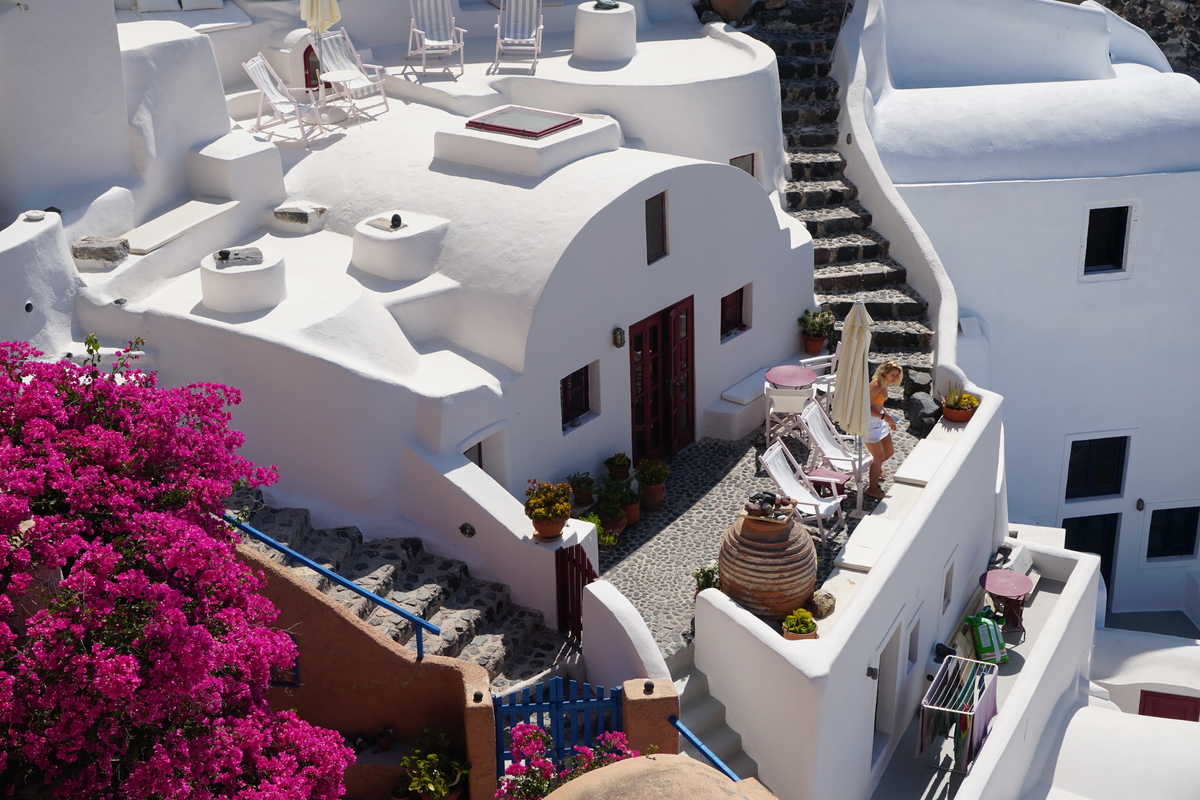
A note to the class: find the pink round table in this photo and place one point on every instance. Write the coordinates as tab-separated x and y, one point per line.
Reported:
791	376
1009	587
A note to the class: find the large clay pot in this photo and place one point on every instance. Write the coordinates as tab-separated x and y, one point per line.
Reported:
633	514
652	496
546	530
770	572
957	414
813	345
732	10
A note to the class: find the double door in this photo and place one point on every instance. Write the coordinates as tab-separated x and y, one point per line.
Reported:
662	382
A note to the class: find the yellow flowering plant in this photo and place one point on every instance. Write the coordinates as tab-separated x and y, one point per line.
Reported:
547	501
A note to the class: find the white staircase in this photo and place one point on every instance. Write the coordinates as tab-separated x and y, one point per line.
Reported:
704	716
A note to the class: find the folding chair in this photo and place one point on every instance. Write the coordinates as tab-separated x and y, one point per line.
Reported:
791	481
284	105
433	33
826	369
519	31
341	66
783	410
835	450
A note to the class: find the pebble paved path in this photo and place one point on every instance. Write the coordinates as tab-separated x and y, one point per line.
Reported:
709	483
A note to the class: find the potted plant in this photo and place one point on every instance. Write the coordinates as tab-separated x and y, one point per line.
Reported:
612	519
652	475
430	772
549	506
815	327
631	505
605	540
618	466
707	577
582	484
957	405
799	625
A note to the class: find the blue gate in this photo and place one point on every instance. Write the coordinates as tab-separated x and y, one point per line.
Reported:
572	713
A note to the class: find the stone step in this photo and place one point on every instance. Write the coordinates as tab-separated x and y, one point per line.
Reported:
849	247
811	136
834	220
804	90
503	639
421	590
811	113
815	44
332	548
476	604
893	335
819	193
804	67
859	275
891	302
804	16
375	567
549	653
807	165
288	526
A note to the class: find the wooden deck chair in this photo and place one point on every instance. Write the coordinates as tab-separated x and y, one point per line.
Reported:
830	448
433	33
338	56
519	31
284	105
791	481
783	411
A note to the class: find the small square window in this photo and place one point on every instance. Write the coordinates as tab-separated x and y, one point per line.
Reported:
574	395
1107	228
1173	532
656	227
732	319
744	163
1096	467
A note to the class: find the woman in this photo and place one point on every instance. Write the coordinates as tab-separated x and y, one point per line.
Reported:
879	434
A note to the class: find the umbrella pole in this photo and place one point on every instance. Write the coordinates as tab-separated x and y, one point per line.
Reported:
324	113
858	512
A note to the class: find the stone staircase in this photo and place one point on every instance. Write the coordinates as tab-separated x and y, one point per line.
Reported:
704	715
478	620
851	258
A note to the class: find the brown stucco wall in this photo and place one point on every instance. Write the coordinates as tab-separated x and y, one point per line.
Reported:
646	715
356	681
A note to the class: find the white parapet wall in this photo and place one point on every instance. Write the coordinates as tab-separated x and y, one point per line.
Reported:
618	645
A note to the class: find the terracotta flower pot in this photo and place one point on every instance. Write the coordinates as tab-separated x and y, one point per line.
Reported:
384	740
614	525
619	473
793	636
548	529
583	497
957	414
633	514
813	345
652	496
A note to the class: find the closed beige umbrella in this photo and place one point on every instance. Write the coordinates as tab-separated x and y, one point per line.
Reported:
319	15
852	395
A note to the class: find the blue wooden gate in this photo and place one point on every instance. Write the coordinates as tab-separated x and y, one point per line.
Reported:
571	712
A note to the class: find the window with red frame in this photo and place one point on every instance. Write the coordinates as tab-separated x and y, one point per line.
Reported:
573	393
731	312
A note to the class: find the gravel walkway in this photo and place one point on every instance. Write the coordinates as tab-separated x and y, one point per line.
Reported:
709	483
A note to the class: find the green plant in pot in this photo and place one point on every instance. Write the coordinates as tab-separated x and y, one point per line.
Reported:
652	476
815	327
612	518
431	771
631	505
707	577
549	506
604	539
799	625
582	485
618	465
958	405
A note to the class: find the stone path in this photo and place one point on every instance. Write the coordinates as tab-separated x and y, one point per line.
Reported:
709	483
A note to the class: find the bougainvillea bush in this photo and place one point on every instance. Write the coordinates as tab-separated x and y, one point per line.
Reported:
532	775
134	649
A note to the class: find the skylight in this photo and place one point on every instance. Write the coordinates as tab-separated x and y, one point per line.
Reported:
528	123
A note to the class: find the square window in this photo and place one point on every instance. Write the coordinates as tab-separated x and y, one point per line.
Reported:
732	318
1096	467
656	227
1173	532
744	163
574	395
1107	228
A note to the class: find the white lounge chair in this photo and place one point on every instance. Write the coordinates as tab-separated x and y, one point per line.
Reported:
341	67
519	31
783	410
791	481
433	33
284	105
835	450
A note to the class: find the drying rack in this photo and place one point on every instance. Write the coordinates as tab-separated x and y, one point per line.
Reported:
957	689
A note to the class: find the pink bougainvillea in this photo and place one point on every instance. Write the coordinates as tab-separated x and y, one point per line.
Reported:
532	775
135	652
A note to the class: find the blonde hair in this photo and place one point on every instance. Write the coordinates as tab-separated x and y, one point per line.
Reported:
883	369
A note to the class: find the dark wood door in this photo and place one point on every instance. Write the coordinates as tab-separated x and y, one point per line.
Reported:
1170	706
1097	534
662	381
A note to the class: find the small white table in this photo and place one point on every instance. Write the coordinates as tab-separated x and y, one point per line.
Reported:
605	35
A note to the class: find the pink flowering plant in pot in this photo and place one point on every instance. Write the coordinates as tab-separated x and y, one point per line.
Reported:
135	650
532	775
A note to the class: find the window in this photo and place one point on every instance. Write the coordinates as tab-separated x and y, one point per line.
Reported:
1173	532
731	313
947	587
744	163
1106	240
656	227
1096	467
573	392
474	454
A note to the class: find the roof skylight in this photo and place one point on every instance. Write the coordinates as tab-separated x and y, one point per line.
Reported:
528	123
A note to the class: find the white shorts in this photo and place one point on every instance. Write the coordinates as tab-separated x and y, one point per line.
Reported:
878	431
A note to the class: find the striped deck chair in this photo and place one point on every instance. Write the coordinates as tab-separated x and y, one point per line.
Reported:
339	57
284	106
790	479
519	31
433	33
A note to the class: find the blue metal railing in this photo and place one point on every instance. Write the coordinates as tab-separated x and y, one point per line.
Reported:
421	625
709	754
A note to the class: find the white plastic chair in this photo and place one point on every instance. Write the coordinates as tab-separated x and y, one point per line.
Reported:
339	57
826	369
433	33
791	481
519	31
783	410
835	450
284	105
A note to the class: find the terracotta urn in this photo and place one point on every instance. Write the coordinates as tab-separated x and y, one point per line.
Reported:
652	496
633	514
771	570
545	530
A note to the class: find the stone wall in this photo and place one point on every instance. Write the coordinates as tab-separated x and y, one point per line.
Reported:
1174	25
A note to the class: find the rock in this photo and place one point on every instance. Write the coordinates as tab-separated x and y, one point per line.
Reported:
99	252
822	603
917	381
709	16
923	413
299	217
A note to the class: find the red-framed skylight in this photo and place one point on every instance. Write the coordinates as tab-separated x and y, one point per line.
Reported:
528	123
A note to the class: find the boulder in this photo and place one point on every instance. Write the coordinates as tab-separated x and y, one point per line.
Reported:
822	603
923	413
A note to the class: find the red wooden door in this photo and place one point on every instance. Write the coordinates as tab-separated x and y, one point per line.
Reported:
1170	706
661	382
